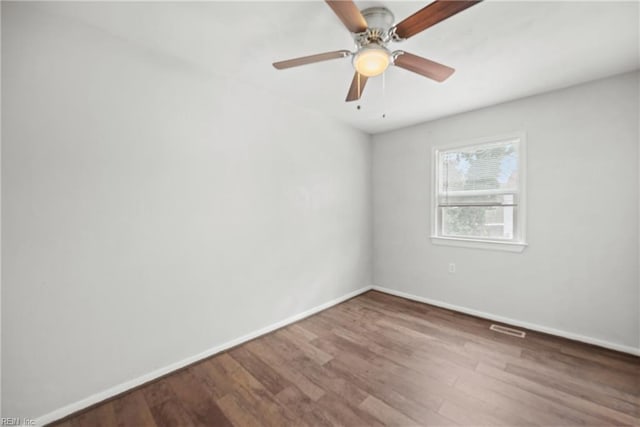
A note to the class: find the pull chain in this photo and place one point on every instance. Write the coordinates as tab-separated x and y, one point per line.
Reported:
384	99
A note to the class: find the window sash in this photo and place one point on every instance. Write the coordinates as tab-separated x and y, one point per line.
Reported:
471	193
512	197
485	166
514	235
501	198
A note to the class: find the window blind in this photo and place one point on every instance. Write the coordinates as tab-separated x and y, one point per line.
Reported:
480	175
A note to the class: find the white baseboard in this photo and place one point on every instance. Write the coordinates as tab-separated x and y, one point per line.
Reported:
513	322
128	385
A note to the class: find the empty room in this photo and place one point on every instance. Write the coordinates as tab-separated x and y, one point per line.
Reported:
320	213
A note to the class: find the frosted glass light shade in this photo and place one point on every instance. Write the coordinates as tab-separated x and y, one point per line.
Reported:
371	60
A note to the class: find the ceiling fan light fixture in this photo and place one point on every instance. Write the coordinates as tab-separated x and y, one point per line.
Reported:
372	29
371	60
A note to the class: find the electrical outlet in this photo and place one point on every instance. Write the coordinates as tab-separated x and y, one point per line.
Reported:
452	267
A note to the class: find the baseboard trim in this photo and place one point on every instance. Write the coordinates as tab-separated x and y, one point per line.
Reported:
513	322
136	382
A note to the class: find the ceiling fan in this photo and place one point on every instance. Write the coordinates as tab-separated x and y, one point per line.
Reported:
372	30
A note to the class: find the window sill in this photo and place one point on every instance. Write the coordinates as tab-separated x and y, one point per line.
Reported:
479	244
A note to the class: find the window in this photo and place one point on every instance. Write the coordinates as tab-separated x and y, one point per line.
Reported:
478	194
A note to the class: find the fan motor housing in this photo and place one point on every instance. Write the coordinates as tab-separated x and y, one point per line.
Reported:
379	21
379	18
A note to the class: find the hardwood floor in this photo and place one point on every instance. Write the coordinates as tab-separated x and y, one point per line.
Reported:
381	360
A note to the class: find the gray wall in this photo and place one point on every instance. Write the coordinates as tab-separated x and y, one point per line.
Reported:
152	211
580	272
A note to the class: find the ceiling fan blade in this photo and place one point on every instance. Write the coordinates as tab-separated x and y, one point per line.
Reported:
304	60
430	15
357	86
349	14
422	66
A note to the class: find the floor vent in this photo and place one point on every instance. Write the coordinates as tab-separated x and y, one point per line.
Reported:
508	331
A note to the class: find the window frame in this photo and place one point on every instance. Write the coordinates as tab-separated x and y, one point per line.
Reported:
519	243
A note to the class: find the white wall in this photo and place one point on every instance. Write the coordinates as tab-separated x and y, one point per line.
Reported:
151	210
580	272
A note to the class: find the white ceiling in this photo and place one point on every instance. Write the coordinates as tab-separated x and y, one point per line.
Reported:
500	50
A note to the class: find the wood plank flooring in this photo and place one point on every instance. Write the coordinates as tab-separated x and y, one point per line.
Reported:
381	360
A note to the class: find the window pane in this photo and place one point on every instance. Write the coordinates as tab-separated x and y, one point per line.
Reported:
481	169
491	222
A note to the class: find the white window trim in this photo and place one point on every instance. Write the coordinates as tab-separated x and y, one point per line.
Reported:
465	242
